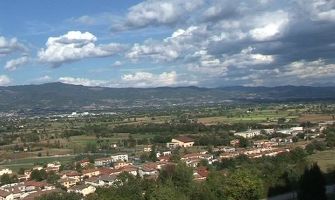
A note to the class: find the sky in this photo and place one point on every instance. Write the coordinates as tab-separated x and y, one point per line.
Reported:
154	43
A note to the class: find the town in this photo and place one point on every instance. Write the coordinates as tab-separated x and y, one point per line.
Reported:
98	161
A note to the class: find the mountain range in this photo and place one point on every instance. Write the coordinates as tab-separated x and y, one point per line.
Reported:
60	96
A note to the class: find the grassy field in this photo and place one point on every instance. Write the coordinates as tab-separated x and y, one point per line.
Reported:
29	162
325	159
257	116
84	139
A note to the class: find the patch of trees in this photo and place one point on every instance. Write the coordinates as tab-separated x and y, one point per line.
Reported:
60	196
8	179
279	174
330	136
312	184
41	175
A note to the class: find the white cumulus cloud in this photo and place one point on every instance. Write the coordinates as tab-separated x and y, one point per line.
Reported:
158	12
74	46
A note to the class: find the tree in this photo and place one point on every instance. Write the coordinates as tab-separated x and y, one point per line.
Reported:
52	177
60	196
38	175
5	179
243	185
79	168
21	171
312	184
153	154
330	138
166	192
215	183
180	175
244	142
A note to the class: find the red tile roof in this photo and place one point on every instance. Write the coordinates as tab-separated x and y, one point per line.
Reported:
4	193
36	184
184	139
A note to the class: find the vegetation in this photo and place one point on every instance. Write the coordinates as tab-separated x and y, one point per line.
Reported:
312	184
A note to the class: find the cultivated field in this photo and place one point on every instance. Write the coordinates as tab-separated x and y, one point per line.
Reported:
315	117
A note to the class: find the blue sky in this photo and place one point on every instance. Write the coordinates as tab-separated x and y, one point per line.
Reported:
128	43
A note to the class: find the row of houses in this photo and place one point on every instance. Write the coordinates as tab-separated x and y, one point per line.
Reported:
255	132
27	190
255	152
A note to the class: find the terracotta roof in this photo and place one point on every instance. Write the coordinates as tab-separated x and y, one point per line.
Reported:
64	180
92	179
184	139
128	168
90	171
4	193
79	187
70	173
34	195
105	171
36	184
165	158
84	161
108	178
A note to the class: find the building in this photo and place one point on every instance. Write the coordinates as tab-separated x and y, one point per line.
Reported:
248	134
94	181
108	180
103	162
147	148
4	195
119	164
5	171
70	174
82	189
269	131
200	174
84	163
265	143
226	149
148	171
181	141
68	182
91	172
119	157
55	164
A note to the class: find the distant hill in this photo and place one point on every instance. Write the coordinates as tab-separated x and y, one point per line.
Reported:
59	96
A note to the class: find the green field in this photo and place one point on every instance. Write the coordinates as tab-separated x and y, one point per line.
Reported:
29	162
84	139
325	159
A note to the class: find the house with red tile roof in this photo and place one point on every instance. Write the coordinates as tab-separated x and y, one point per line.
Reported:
181	141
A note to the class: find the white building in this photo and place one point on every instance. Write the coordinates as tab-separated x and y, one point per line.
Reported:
119	157
181	141
82	189
248	134
5	171
100	162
